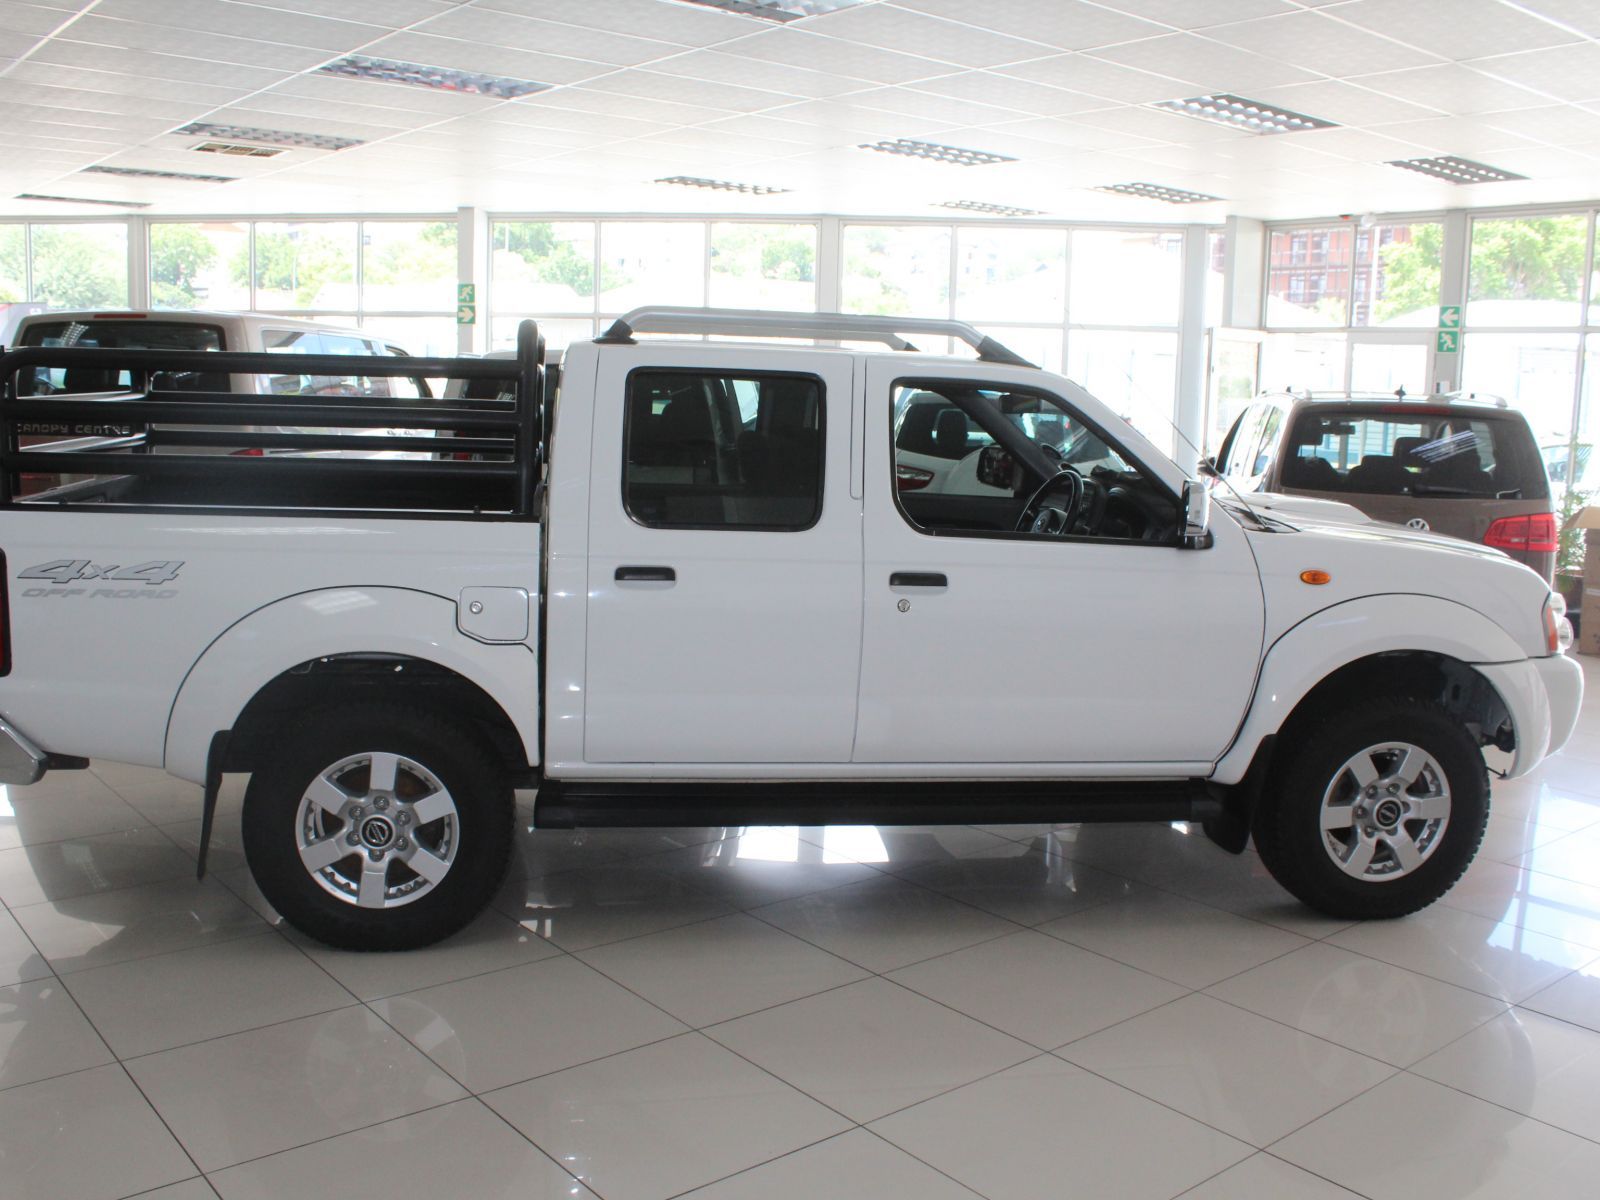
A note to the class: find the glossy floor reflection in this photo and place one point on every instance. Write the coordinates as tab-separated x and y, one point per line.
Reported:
1004	1012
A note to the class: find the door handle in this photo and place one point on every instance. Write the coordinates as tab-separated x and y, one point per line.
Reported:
645	575
919	579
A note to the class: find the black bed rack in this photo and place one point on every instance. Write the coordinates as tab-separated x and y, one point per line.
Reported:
496	444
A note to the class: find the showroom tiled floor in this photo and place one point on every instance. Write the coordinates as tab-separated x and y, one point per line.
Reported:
1005	1012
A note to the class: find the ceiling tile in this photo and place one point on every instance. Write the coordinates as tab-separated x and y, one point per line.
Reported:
206	47
1452	88
144	68
1318	43
1009	92
1070	135
340	90
720	67
913	102
1060	24
550	37
29	19
1467	136
1209	66
1454	29
244	21
1581	15
892	28
1199	14
680	24
490	60
1561	72
1094	77
390	14
1555	125
797	48
649	85
588	100
1344	104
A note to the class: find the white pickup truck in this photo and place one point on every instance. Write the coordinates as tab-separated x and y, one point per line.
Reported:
695	582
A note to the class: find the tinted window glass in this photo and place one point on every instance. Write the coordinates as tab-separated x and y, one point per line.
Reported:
1422	452
121	335
718	451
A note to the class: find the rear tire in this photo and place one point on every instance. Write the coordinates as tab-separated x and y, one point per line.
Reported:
379	827
1374	811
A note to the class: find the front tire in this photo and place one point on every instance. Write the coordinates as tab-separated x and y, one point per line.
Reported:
1376	811
379	827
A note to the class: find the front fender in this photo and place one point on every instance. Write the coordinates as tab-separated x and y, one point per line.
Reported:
371	620
1339	635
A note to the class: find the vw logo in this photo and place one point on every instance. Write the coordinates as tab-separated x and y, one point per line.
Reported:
1417	523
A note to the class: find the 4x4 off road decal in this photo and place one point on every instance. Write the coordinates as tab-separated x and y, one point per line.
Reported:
70	570
64	572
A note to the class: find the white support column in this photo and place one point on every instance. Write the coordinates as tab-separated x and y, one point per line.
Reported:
139	263
1452	290
1190	416
1243	271
472	266
830	274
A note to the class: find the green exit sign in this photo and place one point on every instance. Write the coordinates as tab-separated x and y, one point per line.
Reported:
466	293
1450	316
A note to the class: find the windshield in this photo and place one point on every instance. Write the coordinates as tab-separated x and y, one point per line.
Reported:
1414	451
120	335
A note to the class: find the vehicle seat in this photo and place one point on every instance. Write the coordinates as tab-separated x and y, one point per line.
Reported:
950	434
1461	471
1312	473
1378	473
686	437
1406	451
916	431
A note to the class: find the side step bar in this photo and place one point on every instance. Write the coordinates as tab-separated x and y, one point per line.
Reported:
583	805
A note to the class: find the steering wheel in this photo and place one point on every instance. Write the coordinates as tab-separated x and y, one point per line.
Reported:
1037	517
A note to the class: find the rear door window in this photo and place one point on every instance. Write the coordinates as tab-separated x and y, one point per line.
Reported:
121	335
1446	453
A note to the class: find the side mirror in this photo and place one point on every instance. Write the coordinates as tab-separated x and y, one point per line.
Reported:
996	468
1196	516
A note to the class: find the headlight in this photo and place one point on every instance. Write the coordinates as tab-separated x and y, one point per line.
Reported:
1557	629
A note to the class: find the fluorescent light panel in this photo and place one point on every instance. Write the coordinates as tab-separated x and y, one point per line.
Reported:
936	152
268	137
1252	116
1456	170
1155	191
722	185
82	200
238	149
151	173
992	210
782	11
442	79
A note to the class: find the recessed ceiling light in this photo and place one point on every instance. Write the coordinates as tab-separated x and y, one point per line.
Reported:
1154	191
82	200
151	173
776	10
937	152
1456	170
722	185
443	79
238	149
268	137
993	210
1250	115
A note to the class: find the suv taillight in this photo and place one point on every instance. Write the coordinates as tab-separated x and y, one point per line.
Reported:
1534	534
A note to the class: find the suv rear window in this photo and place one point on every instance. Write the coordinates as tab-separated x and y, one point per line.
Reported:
1439	452
121	335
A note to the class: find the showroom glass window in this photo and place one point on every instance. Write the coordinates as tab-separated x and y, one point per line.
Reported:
393	279
709	450
1101	305
77	264
1351	305
1531	330
576	277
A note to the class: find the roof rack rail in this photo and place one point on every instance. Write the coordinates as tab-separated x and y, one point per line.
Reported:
736	322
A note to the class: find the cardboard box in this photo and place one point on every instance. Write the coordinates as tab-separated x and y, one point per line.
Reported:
1589	621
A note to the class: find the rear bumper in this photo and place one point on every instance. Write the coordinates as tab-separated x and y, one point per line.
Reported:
1543	696
21	762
